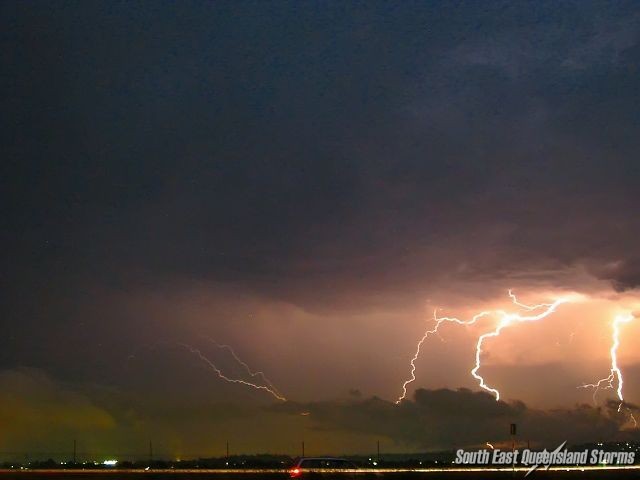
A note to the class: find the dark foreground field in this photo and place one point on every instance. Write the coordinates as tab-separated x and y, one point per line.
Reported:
589	474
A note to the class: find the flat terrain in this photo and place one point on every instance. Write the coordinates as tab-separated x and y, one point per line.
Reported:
589	474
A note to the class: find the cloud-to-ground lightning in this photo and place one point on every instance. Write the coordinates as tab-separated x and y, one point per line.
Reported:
505	319
224	377
615	374
439	321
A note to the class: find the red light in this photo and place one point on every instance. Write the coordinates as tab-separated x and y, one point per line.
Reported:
294	472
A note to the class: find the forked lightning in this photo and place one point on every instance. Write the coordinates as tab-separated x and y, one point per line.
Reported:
505	319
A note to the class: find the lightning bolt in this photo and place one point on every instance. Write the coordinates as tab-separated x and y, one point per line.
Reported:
508	319
524	306
505	320
267	384
439	321
222	376
257	374
615	374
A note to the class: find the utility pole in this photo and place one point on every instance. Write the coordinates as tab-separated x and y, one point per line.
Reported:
513	448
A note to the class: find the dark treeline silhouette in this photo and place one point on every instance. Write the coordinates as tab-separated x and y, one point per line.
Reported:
441	459
264	461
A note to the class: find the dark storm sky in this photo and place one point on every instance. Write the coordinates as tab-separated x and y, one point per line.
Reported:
277	173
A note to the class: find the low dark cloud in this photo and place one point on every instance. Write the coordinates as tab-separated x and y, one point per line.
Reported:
445	418
623	274
44	415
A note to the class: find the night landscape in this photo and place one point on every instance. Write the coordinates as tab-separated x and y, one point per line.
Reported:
320	239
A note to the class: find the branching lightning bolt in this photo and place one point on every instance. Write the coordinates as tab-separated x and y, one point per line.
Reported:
615	374
266	386
508	319
439	321
524	306
257	374
222	376
505	319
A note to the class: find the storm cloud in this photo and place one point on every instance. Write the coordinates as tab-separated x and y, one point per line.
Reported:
47	415
308	183
443	419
